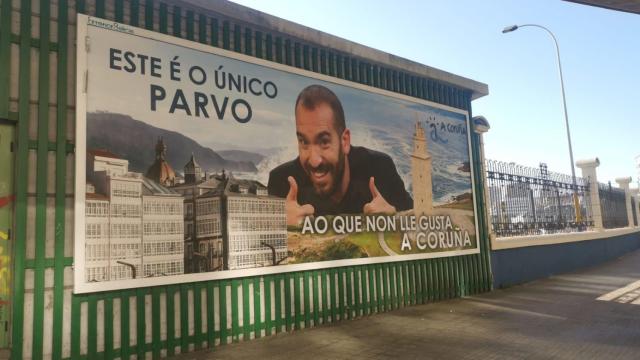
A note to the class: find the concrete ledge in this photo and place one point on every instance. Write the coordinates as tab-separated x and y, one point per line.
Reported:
538	240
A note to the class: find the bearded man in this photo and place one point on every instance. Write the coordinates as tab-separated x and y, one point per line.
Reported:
330	176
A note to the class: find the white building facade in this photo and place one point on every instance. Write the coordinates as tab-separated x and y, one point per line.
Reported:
256	229
134	227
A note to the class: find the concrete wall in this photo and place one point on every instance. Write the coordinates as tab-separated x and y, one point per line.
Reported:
522	264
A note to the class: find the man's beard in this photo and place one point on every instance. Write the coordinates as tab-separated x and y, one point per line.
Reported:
336	172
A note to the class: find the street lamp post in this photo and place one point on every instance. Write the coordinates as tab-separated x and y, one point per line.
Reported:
576	203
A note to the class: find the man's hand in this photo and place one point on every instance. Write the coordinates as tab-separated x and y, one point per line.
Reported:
378	204
295	211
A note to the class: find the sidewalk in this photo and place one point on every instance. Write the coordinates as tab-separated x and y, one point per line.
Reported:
555	318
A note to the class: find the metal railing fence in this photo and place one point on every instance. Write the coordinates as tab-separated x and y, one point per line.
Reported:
533	201
613	206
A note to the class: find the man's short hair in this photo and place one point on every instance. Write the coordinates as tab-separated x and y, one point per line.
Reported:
314	95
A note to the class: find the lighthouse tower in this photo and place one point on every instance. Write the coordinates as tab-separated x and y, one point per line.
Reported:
421	174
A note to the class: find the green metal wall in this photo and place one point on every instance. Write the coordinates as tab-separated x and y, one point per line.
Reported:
37	87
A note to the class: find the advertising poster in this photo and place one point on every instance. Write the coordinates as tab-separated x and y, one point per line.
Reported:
195	163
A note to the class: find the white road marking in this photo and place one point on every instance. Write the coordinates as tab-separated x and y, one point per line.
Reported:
623	293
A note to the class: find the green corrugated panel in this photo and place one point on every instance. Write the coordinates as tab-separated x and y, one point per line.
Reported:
156	341
177	21
197	314
224	333
323	62
268	314
108	328
348	292
135	12
297	55
399	275
325	295
41	182
100	8
259	45
315	60
237	38
361	299
226	36
355	75
316	298
190	25
278	302
21	175
148	14
215	32
75	332
171	319
332	64
61	172
307	299
339	66
386	287
235	320
119	10
7	164
92	328
184	318
287	302
297	306
269	47
279	50
333	290
306	59
246	309
348	70
202	29
211	318
141	323
125	347
248	42
288	52
164	18
257	314
5	56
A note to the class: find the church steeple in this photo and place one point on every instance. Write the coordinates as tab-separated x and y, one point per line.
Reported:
161	149
161	172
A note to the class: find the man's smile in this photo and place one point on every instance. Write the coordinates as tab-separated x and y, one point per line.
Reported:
319	174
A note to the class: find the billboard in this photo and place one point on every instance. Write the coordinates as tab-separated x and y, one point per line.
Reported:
195	163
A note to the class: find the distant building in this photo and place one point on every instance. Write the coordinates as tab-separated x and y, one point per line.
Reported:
133	225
